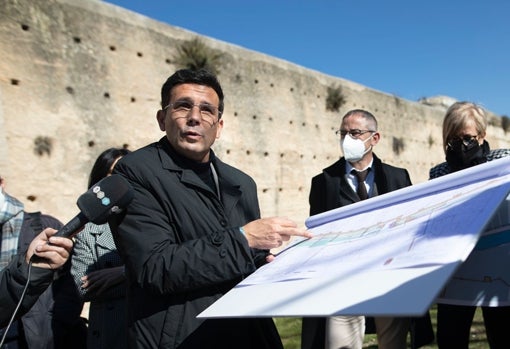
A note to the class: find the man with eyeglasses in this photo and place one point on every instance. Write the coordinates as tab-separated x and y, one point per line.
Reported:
193	230
358	175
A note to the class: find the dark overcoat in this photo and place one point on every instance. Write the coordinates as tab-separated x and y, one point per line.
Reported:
330	190
183	250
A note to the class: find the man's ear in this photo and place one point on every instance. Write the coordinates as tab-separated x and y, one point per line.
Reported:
219	127
160	116
375	138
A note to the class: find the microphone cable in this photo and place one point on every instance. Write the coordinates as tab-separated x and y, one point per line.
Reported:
18	306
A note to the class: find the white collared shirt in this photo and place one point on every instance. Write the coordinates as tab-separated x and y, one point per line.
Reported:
353	182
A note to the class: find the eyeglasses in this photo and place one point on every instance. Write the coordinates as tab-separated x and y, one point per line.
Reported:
181	109
354	133
467	140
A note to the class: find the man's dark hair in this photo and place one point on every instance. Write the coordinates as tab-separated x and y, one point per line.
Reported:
188	76
365	114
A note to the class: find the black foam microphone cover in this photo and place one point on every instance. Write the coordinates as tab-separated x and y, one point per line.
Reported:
111	195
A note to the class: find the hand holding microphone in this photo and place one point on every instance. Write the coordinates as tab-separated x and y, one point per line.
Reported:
48	252
111	195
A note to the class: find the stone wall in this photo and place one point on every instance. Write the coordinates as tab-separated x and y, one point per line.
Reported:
77	77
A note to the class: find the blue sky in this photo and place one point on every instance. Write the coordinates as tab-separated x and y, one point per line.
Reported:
412	49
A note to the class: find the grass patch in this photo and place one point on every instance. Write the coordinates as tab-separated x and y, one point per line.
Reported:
290	332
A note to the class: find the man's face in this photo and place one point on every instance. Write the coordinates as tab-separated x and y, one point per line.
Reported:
191	121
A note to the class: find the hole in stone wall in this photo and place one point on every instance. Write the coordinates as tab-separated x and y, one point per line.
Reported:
70	90
248	152
91	144
266	153
43	145
271	84
292	89
168	61
300	188
15	82
270	118
112	48
291	122
265	190
133	99
254	117
314	157
280	189
106	95
76	39
303	124
228	151
282	155
25	27
256	81
318	96
31	198
139	54
125	145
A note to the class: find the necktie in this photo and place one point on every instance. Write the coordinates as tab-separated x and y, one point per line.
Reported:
361	189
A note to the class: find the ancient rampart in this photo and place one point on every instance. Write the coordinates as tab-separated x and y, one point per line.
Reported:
77	77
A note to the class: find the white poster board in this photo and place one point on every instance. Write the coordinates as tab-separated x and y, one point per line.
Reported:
390	255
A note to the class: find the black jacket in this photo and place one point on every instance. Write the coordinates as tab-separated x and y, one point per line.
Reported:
183	250
12	281
51	314
330	190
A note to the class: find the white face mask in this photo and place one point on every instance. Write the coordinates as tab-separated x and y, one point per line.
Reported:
354	149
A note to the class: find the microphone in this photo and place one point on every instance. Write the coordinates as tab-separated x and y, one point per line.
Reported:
111	195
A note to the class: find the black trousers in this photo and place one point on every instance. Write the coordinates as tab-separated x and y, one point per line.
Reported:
454	325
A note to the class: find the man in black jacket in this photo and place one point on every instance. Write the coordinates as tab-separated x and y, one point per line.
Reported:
358	175
193	229
49	314
13	277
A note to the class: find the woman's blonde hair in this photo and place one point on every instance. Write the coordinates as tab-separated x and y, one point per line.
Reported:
457	118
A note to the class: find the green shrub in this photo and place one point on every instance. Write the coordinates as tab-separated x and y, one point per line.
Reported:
335	98
194	54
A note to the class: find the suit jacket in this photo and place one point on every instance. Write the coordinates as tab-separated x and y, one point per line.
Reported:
183	250
330	190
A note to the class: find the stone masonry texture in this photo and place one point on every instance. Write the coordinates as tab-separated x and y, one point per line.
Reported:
77	77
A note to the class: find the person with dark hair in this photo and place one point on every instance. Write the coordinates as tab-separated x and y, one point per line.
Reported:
98	270
464	145
104	164
193	230
51	306
358	175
